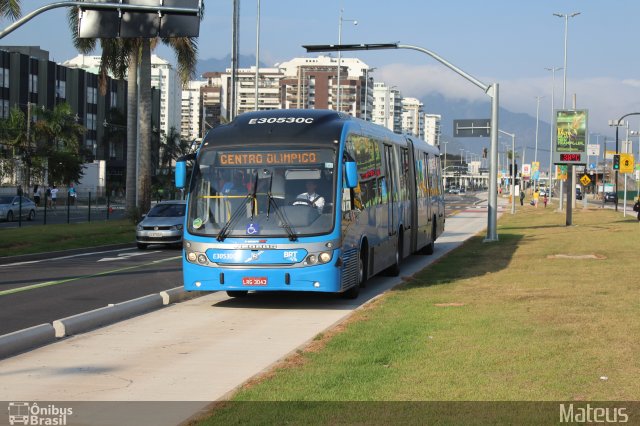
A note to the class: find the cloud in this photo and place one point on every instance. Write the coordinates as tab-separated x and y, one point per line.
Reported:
606	98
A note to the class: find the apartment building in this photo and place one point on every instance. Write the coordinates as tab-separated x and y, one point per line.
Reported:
413	117
432	129
387	107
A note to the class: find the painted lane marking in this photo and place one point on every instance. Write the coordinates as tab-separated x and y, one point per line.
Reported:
123	256
52	283
64	257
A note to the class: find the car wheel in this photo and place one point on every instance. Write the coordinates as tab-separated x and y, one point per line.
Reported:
32	215
10	216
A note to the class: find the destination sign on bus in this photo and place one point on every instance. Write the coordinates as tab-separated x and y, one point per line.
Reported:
273	158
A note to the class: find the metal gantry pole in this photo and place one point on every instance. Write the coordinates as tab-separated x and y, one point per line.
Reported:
257	54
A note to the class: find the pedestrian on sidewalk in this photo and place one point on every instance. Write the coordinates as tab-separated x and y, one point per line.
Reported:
54	196
522	197
36	195
545	200
536	198
636	208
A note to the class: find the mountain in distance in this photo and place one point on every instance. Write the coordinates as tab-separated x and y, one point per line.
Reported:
521	124
220	65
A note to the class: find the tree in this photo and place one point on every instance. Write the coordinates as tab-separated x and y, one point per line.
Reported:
136	54
10	9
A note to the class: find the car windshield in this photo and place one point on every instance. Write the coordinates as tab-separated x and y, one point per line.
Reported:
6	199
274	193
167	210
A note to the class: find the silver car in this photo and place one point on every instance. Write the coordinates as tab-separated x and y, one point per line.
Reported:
10	208
162	225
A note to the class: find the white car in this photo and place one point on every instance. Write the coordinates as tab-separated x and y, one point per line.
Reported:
10	208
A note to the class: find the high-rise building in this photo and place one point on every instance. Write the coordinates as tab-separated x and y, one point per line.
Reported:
163	77
190	122
312	83
432	129
412	117
387	107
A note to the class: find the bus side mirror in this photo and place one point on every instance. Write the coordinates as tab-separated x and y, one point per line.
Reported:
181	174
351	174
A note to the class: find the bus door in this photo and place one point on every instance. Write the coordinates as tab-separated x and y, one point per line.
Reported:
391	189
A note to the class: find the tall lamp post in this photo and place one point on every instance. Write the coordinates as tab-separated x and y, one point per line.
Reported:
513	169
257	53
570	192
553	121
340	21
535	152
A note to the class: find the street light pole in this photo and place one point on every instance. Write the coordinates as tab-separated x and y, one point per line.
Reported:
340	21
553	124
535	152
257	53
570	172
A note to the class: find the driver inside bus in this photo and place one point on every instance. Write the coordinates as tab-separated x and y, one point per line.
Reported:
311	197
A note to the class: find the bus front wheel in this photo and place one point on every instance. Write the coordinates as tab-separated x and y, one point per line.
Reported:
237	293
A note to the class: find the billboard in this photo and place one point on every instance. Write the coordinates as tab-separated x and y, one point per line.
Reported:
570	143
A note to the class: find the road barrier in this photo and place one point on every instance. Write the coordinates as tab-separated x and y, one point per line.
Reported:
24	340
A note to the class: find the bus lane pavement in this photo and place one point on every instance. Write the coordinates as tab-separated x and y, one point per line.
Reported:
199	350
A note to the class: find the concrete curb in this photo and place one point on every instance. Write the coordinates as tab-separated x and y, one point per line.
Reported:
44	334
90	320
178	294
23	340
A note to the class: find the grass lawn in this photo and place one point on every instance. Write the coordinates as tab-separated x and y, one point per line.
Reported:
37	239
547	313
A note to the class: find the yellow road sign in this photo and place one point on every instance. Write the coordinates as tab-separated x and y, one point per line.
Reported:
626	163
585	180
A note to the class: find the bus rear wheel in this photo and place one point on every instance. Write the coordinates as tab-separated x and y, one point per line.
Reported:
237	293
394	270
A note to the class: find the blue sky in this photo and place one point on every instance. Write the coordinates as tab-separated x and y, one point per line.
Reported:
504	41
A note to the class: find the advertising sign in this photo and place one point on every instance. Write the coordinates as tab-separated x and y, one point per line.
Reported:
593	150
535	170
562	172
571	134
608	155
526	170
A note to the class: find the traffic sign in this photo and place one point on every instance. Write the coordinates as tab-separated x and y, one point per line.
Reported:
472	128
585	180
626	163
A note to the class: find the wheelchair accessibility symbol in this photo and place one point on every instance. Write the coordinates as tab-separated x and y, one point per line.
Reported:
253	229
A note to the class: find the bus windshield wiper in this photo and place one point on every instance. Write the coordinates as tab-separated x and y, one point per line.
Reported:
234	217
285	223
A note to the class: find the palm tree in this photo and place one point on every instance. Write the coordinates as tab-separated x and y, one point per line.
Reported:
136	53
10	9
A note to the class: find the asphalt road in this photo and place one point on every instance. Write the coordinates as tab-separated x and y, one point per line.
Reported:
33	292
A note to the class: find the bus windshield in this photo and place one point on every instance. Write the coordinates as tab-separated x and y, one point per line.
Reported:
266	193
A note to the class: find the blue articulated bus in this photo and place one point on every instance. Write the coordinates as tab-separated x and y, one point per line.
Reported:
306	200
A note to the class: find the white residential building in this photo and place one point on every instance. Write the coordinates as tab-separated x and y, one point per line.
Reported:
268	89
412	117
313	83
387	107
432	129
191	110
163	77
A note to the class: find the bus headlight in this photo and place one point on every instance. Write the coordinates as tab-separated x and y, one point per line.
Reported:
324	257
312	259
202	259
191	256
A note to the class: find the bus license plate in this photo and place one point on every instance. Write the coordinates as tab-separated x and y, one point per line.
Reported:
254	281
